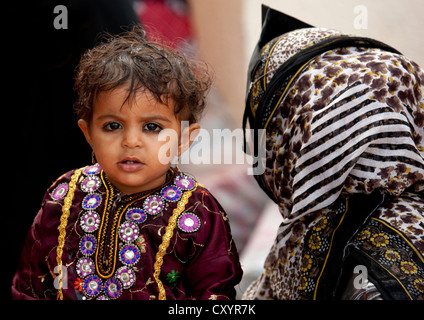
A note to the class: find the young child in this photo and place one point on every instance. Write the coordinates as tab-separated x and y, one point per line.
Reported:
130	226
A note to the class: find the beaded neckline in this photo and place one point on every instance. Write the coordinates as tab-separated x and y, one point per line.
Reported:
139	195
112	244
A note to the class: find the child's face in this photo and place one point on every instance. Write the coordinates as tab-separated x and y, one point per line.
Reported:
124	138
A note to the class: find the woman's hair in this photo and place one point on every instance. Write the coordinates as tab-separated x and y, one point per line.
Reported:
130	59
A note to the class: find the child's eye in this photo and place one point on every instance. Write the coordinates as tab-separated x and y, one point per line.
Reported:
111	126
152	127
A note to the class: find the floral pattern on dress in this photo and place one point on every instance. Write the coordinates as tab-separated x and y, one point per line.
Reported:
394	254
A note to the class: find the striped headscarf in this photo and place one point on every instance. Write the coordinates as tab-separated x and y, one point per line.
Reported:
352	122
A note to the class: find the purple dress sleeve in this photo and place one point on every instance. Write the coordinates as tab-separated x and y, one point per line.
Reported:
33	278
214	271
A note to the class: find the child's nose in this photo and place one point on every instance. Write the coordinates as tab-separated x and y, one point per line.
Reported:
132	139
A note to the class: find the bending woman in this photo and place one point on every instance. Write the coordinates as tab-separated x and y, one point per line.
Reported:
344	147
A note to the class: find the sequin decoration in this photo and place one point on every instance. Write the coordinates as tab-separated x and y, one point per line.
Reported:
129	255
91	201
92	286
188	222
85	267
128	231
90	184
127	277
136	215
90	221
184	182
171	193
97	279
60	191
92	170
113	288
88	245
153	205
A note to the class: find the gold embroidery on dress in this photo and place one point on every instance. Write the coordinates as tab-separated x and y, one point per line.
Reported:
62	228
169	232
106	265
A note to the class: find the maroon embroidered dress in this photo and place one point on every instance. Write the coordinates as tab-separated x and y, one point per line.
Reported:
90	242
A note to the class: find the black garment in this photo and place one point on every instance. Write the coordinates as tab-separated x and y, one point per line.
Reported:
43	138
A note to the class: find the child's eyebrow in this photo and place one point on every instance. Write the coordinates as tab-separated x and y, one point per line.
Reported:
107	116
153	117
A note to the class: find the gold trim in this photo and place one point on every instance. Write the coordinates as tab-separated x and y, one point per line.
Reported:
389	272
62	227
169	232
267	61
279	100
108	270
410	244
329	249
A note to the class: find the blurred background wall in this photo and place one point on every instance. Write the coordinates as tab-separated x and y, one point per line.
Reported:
227	31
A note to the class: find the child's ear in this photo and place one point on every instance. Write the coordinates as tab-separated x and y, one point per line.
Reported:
85	129
189	134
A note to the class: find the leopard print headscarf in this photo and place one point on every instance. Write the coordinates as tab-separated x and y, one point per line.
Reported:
352	122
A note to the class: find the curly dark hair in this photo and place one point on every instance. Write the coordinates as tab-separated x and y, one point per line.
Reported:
132	60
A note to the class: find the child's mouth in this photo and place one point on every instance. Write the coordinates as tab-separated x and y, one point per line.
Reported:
130	165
